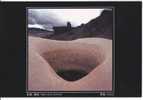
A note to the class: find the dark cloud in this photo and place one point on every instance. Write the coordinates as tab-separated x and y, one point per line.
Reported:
31	20
46	19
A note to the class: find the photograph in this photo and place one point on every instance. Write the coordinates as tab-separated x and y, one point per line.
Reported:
70	49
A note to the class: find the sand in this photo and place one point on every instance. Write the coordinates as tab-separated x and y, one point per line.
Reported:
92	56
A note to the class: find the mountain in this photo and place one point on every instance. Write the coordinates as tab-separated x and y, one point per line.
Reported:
101	26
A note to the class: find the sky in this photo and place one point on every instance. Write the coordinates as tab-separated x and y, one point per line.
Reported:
47	18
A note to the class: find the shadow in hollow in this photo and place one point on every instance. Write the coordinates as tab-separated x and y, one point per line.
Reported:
71	75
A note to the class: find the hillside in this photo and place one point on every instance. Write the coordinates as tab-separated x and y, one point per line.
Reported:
99	27
37	32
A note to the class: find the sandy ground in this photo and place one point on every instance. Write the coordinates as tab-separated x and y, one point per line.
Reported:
46	57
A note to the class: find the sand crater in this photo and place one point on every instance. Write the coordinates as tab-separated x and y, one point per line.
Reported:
73	63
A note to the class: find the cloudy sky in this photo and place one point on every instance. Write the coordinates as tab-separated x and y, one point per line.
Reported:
47	18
